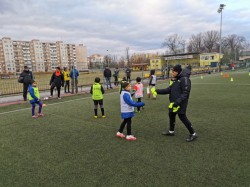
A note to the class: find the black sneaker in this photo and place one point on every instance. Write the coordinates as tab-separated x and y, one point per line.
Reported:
167	133
191	137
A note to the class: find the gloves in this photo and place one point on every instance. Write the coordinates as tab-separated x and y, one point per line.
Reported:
174	107
153	91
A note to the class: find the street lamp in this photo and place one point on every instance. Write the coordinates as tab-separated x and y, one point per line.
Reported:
220	12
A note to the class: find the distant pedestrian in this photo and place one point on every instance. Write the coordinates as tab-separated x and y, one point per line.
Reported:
97	92
66	74
74	74
26	78
107	75
128	74
127	111
57	80
116	76
34	98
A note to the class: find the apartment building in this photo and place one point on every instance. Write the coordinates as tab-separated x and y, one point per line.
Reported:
40	56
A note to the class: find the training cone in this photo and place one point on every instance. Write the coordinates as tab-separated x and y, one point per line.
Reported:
232	79
249	74
44	105
201	77
221	73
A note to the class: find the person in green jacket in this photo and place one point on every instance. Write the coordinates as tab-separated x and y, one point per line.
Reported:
97	92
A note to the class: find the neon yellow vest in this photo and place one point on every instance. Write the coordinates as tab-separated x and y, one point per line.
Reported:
36	93
97	92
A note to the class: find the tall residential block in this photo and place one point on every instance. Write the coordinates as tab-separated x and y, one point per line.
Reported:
40	56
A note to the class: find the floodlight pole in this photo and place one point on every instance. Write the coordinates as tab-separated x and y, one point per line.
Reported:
220	11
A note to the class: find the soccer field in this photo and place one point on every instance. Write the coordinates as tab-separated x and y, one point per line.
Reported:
68	147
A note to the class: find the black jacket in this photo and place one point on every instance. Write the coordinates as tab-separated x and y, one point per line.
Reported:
57	80
107	73
179	91
27	77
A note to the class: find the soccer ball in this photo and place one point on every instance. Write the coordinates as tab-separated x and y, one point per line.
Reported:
46	98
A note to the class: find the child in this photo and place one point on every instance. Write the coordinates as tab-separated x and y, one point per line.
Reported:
127	111
152	82
122	81
34	98
138	88
97	92
179	91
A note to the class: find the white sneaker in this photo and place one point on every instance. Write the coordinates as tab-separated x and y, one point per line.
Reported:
130	137
121	135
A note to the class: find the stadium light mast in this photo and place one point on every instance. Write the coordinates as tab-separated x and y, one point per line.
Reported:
221	7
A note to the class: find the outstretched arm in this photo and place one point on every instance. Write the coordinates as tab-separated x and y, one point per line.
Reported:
130	102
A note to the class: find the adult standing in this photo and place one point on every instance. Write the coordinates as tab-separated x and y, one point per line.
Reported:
26	78
66	79
74	74
57	80
179	92
116	75
128	73
107	75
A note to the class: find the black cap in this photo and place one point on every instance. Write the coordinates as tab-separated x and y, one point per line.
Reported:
177	68
58	68
97	80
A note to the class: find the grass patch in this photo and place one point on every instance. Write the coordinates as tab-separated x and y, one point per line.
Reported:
68	147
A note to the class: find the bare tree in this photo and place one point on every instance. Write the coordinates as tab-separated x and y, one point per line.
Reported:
196	43
127	55
233	41
175	44
211	38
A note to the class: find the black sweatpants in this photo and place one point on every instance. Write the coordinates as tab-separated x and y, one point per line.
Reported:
52	89
183	118
25	91
127	121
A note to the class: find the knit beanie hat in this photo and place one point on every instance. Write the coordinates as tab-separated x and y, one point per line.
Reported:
177	68
125	85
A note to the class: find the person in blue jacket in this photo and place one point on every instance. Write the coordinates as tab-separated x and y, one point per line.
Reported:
127	111
34	98
74	74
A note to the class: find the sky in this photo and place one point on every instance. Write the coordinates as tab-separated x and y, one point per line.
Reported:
110	26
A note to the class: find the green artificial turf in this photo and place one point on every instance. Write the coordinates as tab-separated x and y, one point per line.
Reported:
68	147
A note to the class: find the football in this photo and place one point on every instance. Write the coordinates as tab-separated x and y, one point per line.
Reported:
46	98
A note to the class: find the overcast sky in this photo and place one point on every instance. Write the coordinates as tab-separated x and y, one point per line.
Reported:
114	25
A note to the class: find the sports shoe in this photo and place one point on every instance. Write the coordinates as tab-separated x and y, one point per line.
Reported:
40	114
59	98
121	135
130	137
167	133
103	116
95	117
34	116
191	137
50	96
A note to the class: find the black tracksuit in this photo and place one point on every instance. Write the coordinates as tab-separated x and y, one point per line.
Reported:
56	81
179	92
27	78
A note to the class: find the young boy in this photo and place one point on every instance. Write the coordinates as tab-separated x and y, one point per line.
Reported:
179	91
138	89
127	111
66	74
152	82
97	92
34	98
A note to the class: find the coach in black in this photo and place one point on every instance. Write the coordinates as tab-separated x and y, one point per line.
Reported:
178	91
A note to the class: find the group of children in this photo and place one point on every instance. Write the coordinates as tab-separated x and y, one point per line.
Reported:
179	90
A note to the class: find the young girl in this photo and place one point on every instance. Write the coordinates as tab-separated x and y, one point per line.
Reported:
127	111
34	98
138	88
97	92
